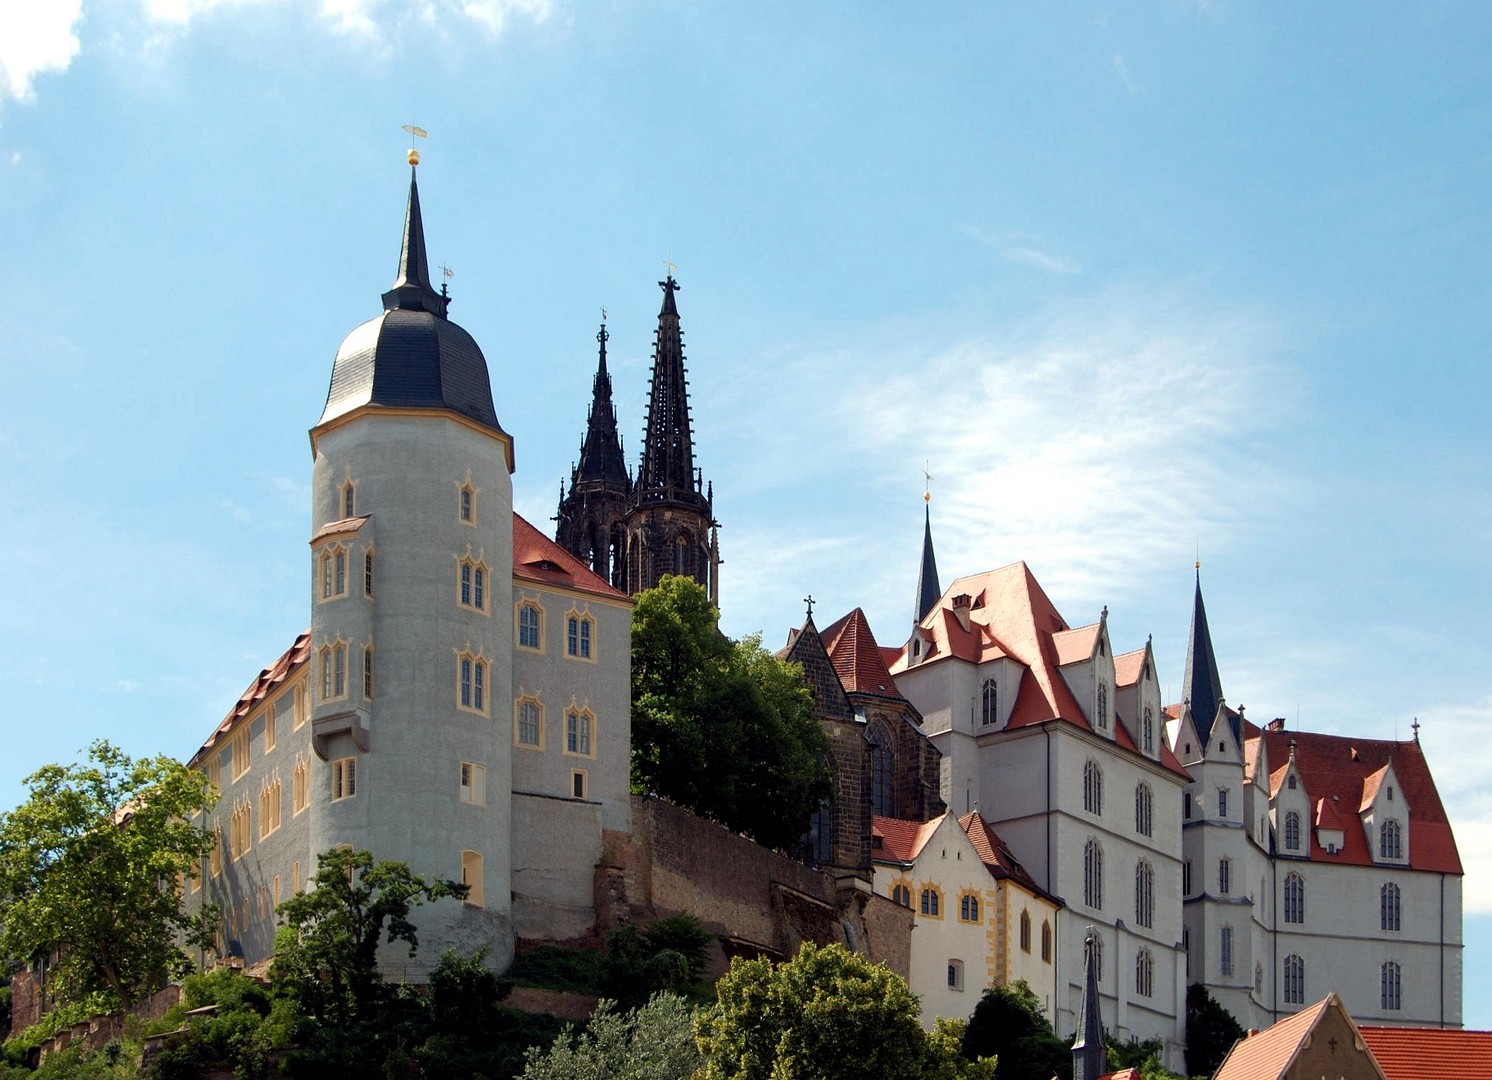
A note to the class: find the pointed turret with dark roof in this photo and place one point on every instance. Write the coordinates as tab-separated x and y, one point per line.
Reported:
1089	1060
670	520
929	592
1200	685
591	513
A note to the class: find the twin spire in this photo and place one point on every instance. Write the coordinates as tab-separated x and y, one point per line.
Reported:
1201	685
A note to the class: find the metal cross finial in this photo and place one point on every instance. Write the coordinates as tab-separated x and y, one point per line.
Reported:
809	601
446	272
1415	728
603	314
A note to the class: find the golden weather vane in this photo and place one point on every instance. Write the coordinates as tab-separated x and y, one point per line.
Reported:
926	483
416	132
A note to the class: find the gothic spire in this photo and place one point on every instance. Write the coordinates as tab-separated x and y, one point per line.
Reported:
1201	685
1089	1061
412	288
601	460
928	589
667	470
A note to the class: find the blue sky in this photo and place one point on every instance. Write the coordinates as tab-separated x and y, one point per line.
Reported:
1133	280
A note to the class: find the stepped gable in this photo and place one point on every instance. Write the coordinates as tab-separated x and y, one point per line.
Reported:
806	648
996	854
1429	1053
1342	767
858	660
539	559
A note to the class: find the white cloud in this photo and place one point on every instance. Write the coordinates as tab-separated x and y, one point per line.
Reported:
364	18
1121	69
1461	779
38	37
1019	250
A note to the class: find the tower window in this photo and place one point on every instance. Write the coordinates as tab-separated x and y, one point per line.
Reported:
579	628
1144	894
1093	875
1225	951
1389	907
1222	802
349	498
1147	728
344	778
466	503
473	784
987	709
882	770
368	672
471	877
530	626
471	583
1092	788
578	730
333	661
1389	978
1144	973
1224	876
1292	831
1144	809
471	683
1294	980
368	574
1294	899
333	564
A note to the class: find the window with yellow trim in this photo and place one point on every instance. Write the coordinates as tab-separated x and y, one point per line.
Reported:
214	770
901	893
473	787
215	857
528	722
333	663
580	733
466	502
238	831
301	711
529	625
368	573
472	877
472	679
367	672
333	570
580	784
472	579
300	787
344	778
348	498
580	633
269	806
968	907
240	747
931	902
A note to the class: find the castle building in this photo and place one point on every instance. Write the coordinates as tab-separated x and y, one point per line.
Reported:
461	700
1313	863
633	532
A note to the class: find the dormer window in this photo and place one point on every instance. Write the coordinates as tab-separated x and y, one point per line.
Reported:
1290	783
1103	705
1390	841
1390	793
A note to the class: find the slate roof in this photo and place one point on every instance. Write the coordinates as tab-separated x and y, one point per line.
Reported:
928	589
1429	1053
1200	683
1339	768
858	660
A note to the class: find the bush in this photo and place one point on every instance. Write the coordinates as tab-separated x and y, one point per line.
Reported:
556	967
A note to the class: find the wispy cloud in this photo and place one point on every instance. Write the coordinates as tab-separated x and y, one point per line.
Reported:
1121	69
1461	779
1019	249
39	38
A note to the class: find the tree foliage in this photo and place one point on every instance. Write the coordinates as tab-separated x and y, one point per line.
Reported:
668	955
826	1014
89	871
1009	1023
724	729
1211	1031
652	1042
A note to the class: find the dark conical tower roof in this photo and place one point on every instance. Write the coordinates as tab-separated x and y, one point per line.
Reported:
412	356
1089	1061
601	462
1200	684
667	469
928	589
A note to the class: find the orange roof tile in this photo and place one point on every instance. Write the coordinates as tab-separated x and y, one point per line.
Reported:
1370	788
996	854
1251	759
903	840
857	659
264	683
1128	666
1075	645
1334	765
346	525
1268	1054
1429	1053
538	558
1328	816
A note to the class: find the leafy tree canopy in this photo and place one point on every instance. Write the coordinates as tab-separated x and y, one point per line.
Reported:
89	868
826	1014
1009	1023
1211	1031
653	1042
724	729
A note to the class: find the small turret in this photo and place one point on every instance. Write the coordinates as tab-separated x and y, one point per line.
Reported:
1089	1060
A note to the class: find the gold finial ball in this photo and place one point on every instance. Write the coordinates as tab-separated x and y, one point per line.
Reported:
927	496
1198	565
414	156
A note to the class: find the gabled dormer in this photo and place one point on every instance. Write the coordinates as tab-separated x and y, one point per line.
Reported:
1186	743
1330	824
1085	659
1291	806
1384	812
1256	790
1137	698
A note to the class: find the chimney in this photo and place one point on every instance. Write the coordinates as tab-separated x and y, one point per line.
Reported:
961	604
1277	724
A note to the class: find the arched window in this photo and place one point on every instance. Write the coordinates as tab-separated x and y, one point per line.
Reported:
1093	875
882	764
1292	831
1224	876
987	713
968	908
1389	980
471	877
1390	841
1144	973
1294	980
1294	899
1103	706
1225	952
1092	788
1025	931
1144	893
1388	906
1258	978
901	894
1290	783
1144	810
930	901
1147	732
1046	941
820	845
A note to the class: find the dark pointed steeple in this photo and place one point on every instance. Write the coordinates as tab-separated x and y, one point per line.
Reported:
1089	1060
928	589
601	460
1200	685
667	471
412	289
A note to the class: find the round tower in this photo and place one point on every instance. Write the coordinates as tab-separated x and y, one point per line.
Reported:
412	632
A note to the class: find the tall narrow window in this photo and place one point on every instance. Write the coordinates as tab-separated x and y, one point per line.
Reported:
300	787
1294	899
1224	876
333	671
1292	831
1046	941
579	783
466	504
1389	981
471	877
1025	931
819	848
988	703
529	732
1186	878
1103	706
1144	807
471	584
1222	802
1144	973
368	672
578	732
1186	805
471	679
240	745
473	784
367	573
1092	788
528	626
1144	894
1147	731
269	806
1390	841
333	562
1093	875
882	770
1388	906
1258	978
349	499
271	729
955	974
1294	980
344	778
1225	952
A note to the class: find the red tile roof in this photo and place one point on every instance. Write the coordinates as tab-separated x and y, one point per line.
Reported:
263	685
1268	1054
1429	1053
1128	667
538	558
1328	816
857	659
902	840
1075	645
996	854
346	525
1340	767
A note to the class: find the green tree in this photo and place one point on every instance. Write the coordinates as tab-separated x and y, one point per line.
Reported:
1211	1031
1008	1023
826	1014
669	954
90	866
652	1042
726	730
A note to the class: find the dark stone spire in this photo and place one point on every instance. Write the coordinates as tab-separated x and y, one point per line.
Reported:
1089	1061
667	471
1200	684
928	589
412	289
590	515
